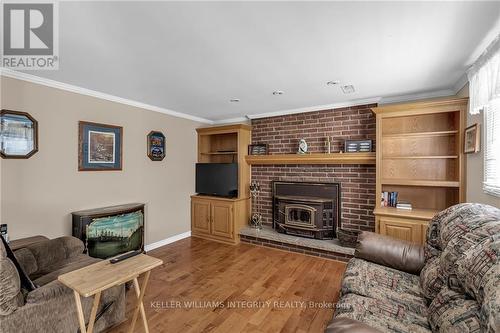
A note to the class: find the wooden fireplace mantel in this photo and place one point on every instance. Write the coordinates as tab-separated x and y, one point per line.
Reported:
315	158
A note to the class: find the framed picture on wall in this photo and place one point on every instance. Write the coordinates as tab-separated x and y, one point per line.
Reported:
472	139
99	147
156	146
18	134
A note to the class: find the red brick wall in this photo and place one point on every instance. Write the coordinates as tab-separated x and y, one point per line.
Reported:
357	181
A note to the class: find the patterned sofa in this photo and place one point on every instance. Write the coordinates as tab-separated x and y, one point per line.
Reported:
451	284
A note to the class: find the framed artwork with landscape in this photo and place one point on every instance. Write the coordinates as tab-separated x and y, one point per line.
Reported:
99	147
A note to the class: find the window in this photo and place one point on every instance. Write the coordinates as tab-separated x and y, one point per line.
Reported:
491	183
484	86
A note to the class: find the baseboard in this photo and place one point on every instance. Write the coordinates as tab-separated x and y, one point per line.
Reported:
166	241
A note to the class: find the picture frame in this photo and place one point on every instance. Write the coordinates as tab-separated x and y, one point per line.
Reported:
472	139
258	149
18	134
156	146
99	147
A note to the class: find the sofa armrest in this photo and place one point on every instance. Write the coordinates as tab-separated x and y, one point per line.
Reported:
347	325
47	292
72	245
50	252
391	252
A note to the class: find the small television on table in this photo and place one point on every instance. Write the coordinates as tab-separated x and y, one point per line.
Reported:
218	179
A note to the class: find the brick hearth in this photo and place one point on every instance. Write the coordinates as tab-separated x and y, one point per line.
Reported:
357	181
269	237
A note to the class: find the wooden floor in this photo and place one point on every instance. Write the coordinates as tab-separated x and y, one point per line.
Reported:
209	287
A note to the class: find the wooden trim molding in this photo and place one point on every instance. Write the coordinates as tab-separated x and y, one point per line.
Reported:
317	158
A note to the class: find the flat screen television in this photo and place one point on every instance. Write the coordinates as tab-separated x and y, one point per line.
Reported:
219	179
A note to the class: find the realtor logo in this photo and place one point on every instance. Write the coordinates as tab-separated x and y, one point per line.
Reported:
30	35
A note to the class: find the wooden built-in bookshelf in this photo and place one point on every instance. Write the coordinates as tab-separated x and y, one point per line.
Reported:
419	155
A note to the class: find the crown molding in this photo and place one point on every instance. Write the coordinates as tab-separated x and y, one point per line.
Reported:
416	97
315	108
461	82
97	94
231	120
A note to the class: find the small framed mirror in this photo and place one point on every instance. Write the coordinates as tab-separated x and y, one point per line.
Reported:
18	134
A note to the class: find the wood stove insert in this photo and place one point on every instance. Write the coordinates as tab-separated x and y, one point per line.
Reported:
306	209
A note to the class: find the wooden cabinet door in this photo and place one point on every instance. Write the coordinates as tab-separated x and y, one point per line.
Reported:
222	219
200	216
401	229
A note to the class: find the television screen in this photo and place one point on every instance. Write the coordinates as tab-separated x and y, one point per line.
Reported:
219	179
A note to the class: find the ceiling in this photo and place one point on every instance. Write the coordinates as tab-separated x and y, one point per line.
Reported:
193	57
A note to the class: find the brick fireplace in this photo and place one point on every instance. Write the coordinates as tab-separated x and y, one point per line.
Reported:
357	182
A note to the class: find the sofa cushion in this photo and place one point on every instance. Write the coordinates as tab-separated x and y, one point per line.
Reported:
451	311
464	219
455	221
50	273
51	252
384	315
459	246
27	260
479	273
379	282
431	279
26	283
10	287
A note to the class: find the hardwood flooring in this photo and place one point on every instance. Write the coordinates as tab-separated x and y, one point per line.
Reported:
205	286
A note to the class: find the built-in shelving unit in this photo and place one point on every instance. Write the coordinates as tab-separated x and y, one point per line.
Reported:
316	158
419	155
216	218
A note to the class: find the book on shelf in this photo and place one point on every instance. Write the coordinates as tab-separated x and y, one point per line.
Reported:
404	205
389	199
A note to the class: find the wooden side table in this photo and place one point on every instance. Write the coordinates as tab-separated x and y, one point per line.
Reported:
94	279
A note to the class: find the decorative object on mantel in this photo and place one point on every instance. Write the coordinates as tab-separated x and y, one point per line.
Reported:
18	134
472	139
156	146
258	149
358	146
256	219
100	147
328	144
348	238
302	147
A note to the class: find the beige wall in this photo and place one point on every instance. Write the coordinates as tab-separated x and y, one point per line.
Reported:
475	163
38	194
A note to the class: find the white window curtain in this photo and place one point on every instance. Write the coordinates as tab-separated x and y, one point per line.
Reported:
484	91
484	78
